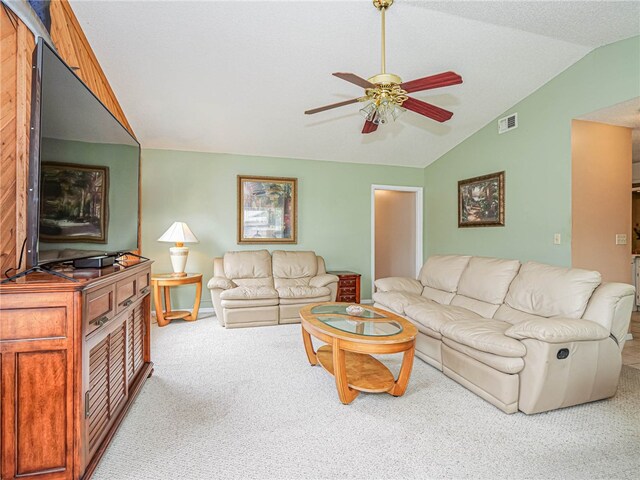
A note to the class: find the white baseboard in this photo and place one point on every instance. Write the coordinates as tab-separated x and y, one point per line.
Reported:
367	301
629	336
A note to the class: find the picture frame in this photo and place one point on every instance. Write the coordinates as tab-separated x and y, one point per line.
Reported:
74	203
481	201
267	210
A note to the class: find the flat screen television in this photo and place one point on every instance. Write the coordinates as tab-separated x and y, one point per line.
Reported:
83	170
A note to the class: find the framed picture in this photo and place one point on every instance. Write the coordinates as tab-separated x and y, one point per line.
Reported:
73	203
267	209
481	201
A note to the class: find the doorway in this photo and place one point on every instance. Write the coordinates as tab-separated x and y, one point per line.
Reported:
396	231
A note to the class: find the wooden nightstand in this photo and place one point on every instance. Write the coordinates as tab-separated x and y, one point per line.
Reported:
348	286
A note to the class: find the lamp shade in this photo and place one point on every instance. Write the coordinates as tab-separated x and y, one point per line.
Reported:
179	232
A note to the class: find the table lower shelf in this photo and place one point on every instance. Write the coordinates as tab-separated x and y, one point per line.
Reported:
174	315
364	373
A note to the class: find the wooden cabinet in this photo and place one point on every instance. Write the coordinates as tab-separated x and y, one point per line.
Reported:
348	286
73	356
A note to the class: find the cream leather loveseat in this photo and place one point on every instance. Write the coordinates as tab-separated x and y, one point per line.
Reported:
253	288
529	337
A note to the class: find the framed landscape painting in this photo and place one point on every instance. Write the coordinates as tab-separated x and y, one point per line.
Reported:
481	201
73	203
267	209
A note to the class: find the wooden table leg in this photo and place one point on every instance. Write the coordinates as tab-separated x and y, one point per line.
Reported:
405	372
167	299
345	393
308	347
196	305
157	300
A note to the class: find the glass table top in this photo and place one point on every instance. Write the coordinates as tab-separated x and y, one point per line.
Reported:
366	328
368	323
342	310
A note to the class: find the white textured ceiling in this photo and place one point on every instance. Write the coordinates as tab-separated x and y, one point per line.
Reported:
236	76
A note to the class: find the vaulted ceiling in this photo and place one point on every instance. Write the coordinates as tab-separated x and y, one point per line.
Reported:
236	76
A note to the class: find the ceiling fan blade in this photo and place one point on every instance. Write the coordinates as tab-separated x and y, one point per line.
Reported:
356	80
369	127
333	105
434	81
426	109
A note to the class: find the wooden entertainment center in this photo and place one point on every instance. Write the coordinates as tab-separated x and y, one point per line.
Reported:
73	357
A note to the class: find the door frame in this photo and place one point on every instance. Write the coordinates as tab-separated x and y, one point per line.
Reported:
419	225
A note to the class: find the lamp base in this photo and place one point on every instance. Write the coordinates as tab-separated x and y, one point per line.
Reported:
179	260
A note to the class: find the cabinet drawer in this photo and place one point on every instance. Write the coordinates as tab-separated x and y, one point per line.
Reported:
348	298
348	282
101	307
347	290
143	283
126	292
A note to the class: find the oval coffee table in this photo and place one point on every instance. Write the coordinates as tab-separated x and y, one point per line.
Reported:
350	341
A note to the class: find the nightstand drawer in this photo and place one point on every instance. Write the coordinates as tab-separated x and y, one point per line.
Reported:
126	292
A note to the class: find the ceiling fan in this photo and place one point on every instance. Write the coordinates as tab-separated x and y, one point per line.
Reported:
386	93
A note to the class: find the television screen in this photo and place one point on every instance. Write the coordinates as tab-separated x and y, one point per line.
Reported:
83	170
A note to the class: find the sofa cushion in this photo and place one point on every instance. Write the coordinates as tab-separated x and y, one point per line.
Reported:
439	296
484	334
322	280
507	314
443	272
249	303
488	279
397	301
304	301
249	293
434	316
484	309
503	364
247	264
550	291
294	264
303	292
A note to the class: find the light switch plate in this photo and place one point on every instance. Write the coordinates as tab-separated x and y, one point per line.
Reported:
557	239
621	238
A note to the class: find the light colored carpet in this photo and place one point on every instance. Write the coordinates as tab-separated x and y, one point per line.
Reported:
245	403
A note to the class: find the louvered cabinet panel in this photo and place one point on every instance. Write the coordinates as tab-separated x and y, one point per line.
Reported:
138	338
98	394
117	368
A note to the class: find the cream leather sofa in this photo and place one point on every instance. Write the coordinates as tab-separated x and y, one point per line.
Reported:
253	288
529	337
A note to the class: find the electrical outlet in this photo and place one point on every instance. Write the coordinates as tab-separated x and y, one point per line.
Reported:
557	239
621	238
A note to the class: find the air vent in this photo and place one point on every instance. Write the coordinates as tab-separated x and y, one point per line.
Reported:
508	123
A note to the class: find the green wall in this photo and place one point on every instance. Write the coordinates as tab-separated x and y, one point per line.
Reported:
334	208
537	160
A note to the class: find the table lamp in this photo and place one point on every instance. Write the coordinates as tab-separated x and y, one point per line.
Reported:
178	233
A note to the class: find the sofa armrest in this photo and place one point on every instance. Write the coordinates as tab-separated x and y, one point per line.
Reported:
220	283
558	330
323	280
401	284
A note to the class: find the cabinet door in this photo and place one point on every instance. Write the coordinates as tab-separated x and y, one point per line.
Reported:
117	369
138	339
36	373
98	394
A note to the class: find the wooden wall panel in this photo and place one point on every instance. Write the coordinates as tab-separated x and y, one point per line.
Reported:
8	136
17	44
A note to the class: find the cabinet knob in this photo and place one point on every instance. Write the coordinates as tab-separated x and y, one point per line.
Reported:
127	302
144	291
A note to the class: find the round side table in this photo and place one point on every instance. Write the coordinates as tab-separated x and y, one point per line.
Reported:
166	281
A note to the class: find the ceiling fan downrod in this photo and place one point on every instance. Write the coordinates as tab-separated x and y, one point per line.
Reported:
384	78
